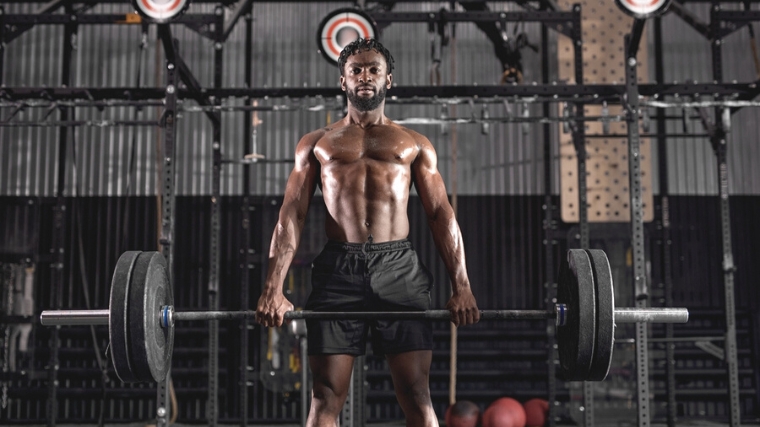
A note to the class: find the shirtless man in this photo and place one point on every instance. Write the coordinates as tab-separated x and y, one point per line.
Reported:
365	165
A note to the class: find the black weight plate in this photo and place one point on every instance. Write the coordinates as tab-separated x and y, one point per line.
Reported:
575	340
152	345
118	323
605	316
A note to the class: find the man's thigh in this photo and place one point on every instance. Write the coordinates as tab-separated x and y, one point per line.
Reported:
331	373
411	369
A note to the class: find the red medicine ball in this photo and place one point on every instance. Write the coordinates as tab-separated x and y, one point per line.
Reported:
462	414
535	412
504	412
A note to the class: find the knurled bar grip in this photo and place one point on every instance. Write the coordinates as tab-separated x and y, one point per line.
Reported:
368	315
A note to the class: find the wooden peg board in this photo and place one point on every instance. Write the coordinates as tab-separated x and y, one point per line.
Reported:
604	28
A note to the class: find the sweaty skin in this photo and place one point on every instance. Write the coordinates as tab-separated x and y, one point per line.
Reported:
365	165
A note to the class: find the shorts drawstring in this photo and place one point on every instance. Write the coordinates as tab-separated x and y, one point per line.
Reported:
366	244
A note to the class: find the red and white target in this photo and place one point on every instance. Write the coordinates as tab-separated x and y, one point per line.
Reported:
160	10
340	28
643	8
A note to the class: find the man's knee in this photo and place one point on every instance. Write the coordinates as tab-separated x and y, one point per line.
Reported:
327	393
417	394
328	396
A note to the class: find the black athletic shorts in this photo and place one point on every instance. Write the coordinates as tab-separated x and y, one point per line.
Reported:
369	277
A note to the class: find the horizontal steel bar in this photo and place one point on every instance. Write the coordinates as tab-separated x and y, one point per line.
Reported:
82	123
232	2
367	315
92	18
74	317
474	16
736	91
686	339
100	317
95	2
651	315
622	315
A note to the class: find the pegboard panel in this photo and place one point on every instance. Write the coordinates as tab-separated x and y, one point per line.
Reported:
604	27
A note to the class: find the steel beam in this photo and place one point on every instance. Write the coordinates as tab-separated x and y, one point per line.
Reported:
641	287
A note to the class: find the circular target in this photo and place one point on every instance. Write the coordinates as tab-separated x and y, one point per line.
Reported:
160	10
340	28
643	9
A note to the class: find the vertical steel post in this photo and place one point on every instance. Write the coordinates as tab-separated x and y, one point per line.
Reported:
59	222
641	290
346	415
212	413
665	239
579	141
720	146
2	44
246	251
352	414
304	381
549	227
163	407
579	131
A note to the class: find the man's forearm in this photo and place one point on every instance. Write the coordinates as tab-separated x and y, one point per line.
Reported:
281	253
448	241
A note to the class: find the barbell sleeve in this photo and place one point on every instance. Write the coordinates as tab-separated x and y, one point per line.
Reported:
651	315
74	317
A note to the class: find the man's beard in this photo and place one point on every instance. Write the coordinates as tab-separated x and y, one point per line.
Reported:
366	104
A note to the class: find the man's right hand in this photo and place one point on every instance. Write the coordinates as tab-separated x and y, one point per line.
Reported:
463	308
271	309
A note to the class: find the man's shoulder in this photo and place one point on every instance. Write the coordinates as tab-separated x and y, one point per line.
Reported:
418	138
314	136
327	130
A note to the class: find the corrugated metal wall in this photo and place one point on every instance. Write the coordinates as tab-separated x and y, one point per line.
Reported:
121	160
29	161
509	160
692	168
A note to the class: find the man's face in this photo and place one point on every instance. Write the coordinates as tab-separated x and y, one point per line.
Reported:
365	80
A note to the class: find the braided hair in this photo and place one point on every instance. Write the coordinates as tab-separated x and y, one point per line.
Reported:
361	45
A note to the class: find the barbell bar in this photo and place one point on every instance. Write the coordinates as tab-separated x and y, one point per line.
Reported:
622	315
141	316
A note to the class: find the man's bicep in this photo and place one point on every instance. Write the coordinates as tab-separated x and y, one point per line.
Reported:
429	182
301	183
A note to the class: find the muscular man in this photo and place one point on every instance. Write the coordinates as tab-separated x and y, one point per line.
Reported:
365	165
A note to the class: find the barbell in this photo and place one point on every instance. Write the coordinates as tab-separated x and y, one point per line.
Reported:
141	316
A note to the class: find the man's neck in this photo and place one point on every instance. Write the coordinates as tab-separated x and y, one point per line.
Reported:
365	119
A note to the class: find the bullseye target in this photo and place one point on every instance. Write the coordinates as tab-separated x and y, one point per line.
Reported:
340	28
643	9
160	10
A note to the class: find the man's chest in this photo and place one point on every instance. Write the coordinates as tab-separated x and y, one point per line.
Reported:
355	145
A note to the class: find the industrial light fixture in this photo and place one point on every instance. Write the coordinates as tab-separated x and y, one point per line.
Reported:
643	9
160	10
